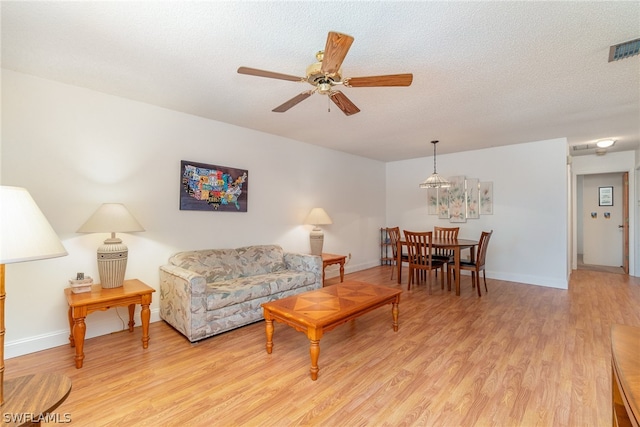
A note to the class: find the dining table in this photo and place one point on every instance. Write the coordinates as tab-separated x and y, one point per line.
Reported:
457	245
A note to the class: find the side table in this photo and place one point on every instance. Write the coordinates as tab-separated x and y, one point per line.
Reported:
132	292
329	259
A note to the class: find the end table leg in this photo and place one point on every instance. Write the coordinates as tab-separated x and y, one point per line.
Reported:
71	341
79	329
145	316
342	271
132	309
395	310
314	351
269	331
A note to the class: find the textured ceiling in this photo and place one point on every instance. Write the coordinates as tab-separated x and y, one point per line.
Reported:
485	73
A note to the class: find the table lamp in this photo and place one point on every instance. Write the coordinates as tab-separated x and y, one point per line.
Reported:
112	255
317	217
25	235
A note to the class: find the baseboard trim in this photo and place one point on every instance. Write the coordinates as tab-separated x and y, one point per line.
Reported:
36	343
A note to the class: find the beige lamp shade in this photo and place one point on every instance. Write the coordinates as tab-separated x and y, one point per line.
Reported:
317	217
111	218
113	254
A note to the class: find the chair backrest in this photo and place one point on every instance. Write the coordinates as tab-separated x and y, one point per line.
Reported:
420	247
482	247
445	233
394	236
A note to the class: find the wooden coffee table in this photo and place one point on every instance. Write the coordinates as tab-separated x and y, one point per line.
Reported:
320	311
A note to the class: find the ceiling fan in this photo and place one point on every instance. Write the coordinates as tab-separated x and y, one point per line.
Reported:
326	73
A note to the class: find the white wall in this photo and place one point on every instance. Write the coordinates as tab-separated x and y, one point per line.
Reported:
529	243
74	149
609	163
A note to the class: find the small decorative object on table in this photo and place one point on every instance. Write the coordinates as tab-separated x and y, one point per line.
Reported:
80	284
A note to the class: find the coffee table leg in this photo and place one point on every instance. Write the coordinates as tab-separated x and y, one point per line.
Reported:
314	351
269	325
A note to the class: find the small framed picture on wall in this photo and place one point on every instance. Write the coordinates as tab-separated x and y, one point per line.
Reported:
605	196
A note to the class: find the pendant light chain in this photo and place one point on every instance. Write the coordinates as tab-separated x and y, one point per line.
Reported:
435	180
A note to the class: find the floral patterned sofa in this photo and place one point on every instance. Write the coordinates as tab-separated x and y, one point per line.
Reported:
206	292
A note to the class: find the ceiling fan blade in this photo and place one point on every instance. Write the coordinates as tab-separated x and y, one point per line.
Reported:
293	101
269	74
334	52
344	103
376	81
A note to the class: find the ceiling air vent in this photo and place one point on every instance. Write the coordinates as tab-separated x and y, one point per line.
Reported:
624	50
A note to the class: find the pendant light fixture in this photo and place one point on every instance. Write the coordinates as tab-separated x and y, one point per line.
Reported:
435	180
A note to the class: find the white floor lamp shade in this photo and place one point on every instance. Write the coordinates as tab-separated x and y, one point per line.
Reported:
317	217
113	254
25	235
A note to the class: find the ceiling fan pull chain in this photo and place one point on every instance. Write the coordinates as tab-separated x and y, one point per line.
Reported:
328	104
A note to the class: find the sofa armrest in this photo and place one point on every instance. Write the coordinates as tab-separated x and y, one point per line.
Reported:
304	262
183	301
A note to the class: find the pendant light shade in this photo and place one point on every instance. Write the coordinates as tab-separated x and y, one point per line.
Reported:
435	180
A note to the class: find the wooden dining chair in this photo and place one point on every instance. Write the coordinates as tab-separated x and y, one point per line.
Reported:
394	237
477	265
444	254
421	257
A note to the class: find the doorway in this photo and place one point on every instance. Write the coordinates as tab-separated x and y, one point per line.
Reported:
602	238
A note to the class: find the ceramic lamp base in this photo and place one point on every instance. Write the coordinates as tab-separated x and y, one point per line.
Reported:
112	263
316	239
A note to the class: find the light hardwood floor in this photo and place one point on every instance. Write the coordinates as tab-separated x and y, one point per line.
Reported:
521	355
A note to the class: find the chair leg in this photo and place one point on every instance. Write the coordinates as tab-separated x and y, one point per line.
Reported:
484	276
441	277
478	275
410	278
393	267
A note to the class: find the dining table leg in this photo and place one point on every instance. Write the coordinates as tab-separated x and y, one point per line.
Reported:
456	261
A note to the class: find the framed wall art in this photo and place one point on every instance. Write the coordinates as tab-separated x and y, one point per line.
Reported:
432	201
205	187
473	198
605	196
457	200
486	198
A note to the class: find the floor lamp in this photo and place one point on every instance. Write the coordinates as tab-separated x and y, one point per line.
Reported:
25	235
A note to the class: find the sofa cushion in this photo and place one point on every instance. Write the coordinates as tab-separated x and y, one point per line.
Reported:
235	291
213	264
260	259
226	264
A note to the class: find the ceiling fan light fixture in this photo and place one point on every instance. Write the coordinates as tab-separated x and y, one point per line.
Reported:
435	180
324	87
605	143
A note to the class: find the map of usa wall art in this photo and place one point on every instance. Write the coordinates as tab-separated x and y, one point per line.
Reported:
206	187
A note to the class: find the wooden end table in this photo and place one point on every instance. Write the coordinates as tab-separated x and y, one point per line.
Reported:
329	259
320	311
132	292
